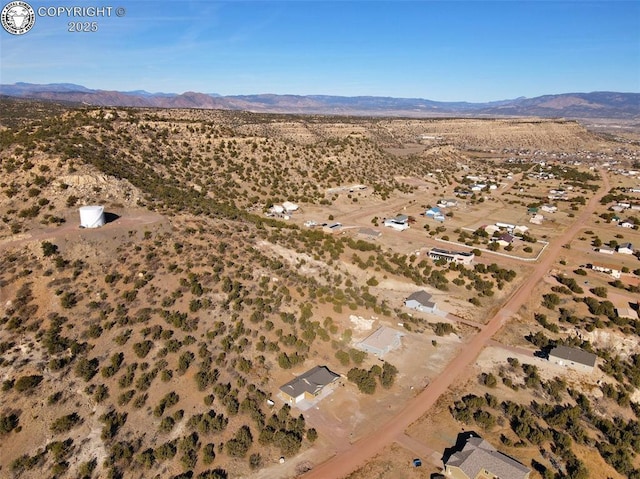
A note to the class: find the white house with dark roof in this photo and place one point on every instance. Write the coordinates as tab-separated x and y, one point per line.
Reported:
447	203
628	223
625	248
480	460
460	257
574	358
399	223
421	301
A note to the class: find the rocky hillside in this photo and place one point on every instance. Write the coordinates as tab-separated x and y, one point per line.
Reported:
149	347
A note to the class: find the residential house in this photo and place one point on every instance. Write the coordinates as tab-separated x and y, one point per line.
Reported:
308	385
549	208
381	341
505	226
448	203
605	250
625	248
536	219
332	227
505	239
369	233
480	460
574	358
459	257
290	207
421	301
399	223
431	212
628	223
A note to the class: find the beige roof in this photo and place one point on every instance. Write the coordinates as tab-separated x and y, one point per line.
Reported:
369	232
627	313
383	338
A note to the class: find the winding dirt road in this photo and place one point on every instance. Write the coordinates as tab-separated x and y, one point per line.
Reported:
357	454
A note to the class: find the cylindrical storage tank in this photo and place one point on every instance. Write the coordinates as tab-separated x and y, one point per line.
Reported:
91	216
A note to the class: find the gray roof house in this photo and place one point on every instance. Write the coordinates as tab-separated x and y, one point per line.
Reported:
479	460
574	358
308	385
421	301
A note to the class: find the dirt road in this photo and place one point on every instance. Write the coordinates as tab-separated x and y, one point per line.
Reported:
356	455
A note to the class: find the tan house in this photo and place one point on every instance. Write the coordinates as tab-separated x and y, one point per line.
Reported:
308	385
480	460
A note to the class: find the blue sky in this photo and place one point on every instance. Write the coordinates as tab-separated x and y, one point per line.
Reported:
439	50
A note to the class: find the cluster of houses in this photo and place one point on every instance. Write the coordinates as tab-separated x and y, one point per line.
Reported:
285	210
625	206
615	273
558	193
621	206
624	248
504	233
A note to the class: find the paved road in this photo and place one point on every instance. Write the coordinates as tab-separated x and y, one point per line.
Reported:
356	455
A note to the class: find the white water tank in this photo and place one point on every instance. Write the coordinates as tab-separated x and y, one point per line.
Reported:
91	216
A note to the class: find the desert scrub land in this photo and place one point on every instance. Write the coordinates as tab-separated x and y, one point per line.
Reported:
155	345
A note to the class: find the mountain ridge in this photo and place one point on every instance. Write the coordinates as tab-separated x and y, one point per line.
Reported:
600	104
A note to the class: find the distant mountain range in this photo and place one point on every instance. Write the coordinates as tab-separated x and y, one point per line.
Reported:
566	105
